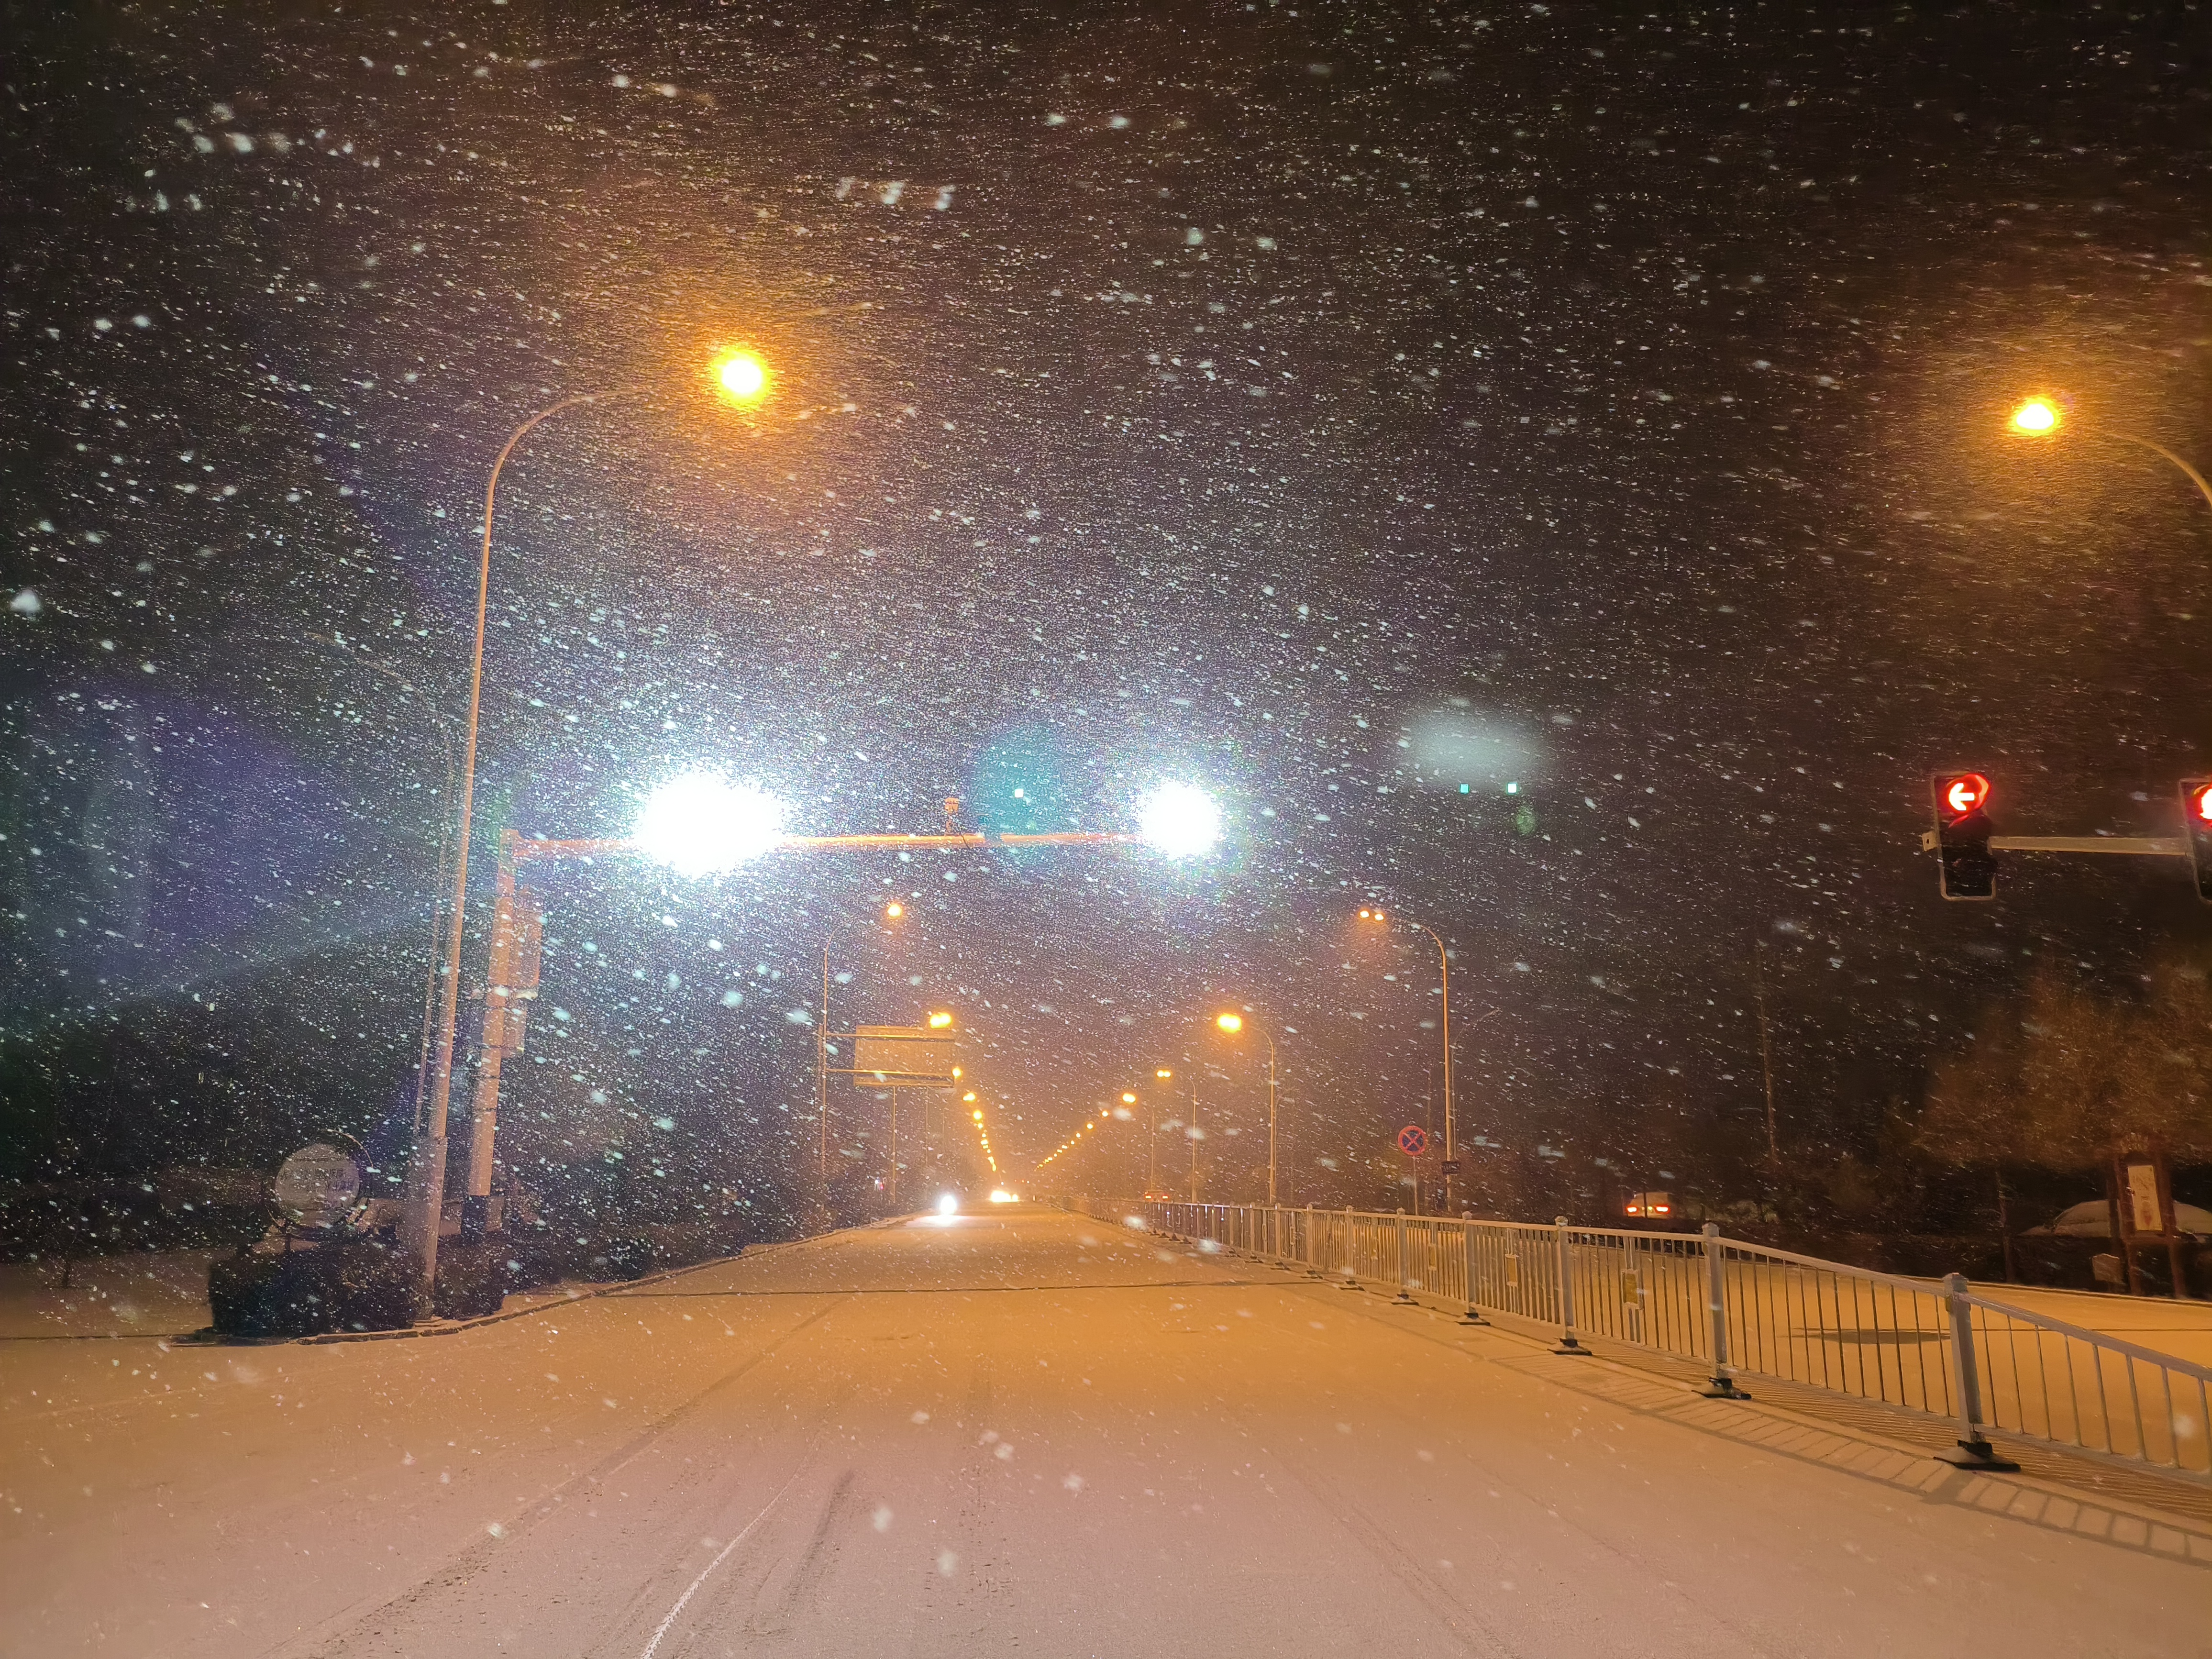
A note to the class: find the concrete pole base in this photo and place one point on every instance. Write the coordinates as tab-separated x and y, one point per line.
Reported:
1569	1345
1722	1387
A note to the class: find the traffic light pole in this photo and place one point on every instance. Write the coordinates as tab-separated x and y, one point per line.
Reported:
1962	839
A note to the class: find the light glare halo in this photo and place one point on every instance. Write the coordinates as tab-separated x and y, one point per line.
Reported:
701	824
742	376
1180	820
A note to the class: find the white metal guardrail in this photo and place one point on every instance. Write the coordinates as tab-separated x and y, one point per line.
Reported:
1740	1308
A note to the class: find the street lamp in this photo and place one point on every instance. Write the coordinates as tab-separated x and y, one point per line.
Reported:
1152	1139
2042	417
699	824
1180	820
743	379
1376	915
1232	1024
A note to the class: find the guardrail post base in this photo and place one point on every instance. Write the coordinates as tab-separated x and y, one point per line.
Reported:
1721	1385
1568	1343
1977	1453
1973	1450
1404	1298
1472	1317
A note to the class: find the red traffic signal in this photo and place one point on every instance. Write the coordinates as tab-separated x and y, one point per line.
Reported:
1962	835
1965	793
2196	826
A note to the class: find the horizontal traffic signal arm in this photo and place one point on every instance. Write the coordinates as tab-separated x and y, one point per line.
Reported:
1962	836
529	847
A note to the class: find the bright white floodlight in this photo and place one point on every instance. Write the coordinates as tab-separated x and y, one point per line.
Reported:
1180	820
947	1204
700	824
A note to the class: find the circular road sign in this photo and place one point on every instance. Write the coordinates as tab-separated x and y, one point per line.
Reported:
1413	1140
316	1185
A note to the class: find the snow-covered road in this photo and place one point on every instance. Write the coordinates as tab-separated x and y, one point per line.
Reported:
1017	1432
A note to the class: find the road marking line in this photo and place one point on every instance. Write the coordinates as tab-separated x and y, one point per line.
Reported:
652	1647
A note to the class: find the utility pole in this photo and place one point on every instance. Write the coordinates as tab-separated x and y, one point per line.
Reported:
1190	1134
1767	1062
822	1084
1162	1077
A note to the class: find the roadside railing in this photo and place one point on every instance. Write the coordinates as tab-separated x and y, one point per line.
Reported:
1739	1308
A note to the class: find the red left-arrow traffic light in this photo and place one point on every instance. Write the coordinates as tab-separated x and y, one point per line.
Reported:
1963	792
1962	835
2197	824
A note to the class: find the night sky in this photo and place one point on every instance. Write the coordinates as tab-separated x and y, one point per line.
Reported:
1353	409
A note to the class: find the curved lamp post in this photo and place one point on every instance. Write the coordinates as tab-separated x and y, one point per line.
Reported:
1443	962
2041	417
741	377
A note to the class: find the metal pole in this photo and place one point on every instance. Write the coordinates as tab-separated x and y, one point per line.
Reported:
1444	959
1568	1343
1190	1134
1766	1065
1721	1385
426	1171
821	1085
1973	1450
1271	1119
2196	477
437	937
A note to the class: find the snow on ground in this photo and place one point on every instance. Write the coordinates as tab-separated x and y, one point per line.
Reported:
1017	1432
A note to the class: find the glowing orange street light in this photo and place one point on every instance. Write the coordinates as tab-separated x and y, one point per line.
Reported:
741	377
894	910
1232	1024
2040	417
939	1022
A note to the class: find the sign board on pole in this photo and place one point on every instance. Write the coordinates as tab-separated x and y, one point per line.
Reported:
317	1184
1413	1140
2145	1215
904	1053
